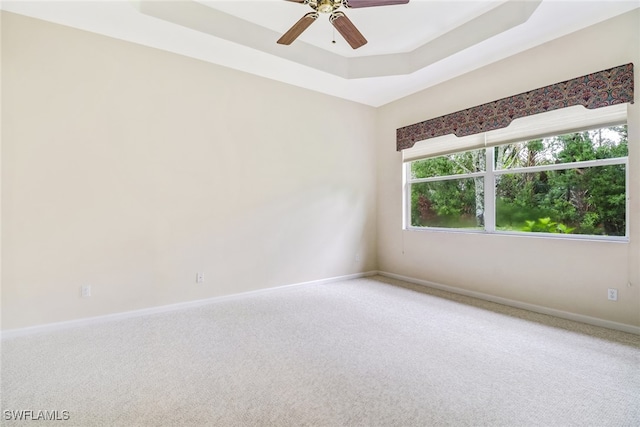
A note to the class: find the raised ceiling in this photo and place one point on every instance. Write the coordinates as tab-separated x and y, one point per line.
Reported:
410	47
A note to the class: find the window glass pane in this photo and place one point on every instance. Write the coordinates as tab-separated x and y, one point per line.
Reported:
572	201
602	143
451	164
455	203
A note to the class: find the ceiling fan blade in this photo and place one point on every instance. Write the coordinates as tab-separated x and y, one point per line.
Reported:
298	28
299	1
346	28
354	4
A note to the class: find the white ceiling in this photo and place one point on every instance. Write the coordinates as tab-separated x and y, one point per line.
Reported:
420	22
411	47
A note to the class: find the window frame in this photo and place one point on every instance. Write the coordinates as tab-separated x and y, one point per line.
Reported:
489	175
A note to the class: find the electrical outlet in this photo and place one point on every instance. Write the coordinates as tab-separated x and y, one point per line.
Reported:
358	257
85	291
612	294
199	277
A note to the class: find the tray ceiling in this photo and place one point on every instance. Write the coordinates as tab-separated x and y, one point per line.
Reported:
411	47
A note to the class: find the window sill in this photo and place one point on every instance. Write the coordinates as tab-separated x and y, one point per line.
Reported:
549	236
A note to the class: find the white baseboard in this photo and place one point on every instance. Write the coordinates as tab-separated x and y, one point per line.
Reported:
517	304
50	327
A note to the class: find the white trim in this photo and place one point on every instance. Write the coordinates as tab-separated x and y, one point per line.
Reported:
447	177
533	235
565	166
517	304
406	199
529	169
51	327
490	192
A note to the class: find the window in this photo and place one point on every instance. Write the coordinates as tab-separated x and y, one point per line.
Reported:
573	184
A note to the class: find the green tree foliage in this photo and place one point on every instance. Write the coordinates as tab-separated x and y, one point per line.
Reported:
584	200
588	200
545	225
454	203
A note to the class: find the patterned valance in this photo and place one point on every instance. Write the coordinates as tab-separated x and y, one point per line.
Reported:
608	87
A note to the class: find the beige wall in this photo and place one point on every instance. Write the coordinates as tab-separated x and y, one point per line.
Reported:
130	169
567	275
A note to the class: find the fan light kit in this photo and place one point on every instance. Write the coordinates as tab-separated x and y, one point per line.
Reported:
337	18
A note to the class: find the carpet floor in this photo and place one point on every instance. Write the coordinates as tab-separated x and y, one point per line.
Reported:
365	352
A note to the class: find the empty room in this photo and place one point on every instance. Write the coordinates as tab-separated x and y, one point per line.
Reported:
320	213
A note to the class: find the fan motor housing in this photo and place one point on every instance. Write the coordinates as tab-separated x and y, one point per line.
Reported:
325	6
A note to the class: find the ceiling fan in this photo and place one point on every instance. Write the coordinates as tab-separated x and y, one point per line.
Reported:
337	18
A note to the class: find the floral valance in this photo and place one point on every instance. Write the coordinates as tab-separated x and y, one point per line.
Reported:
607	87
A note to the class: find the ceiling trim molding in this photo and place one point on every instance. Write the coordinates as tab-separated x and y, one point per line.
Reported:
123	20
205	19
